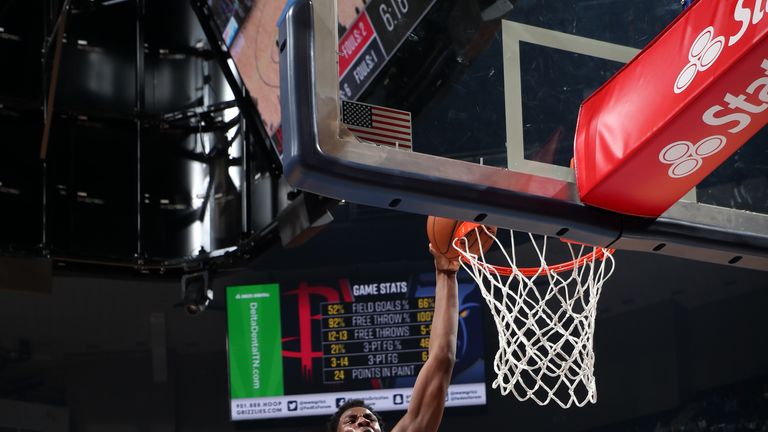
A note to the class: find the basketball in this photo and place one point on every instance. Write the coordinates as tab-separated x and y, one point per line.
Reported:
441	231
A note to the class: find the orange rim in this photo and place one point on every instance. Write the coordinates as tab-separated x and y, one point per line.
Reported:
597	253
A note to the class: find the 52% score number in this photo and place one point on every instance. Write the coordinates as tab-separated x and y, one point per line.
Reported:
335	309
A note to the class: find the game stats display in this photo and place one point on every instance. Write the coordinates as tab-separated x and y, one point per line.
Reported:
302	349
375	339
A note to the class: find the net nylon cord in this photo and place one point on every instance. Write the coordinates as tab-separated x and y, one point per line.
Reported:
545	332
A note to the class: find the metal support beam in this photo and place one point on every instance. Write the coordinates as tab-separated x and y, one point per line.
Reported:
140	83
59	27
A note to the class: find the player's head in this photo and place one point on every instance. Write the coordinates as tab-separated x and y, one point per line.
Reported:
355	416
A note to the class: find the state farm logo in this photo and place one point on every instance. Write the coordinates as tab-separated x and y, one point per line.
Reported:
706	48
686	157
736	112
701	56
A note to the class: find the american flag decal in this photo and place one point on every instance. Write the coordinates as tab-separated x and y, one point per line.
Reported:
378	125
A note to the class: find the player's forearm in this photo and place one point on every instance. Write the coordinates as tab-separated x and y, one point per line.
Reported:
426	407
442	343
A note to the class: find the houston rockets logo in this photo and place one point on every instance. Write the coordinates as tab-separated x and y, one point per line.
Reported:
306	294
703	54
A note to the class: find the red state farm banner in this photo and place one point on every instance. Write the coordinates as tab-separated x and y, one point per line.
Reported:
679	109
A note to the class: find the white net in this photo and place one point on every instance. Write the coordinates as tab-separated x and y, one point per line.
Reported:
545	316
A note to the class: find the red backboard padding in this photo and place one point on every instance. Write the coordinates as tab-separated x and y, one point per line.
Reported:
689	100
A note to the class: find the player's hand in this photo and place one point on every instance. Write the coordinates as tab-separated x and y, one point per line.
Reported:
442	263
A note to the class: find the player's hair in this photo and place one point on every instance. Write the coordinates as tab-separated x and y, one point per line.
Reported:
333	422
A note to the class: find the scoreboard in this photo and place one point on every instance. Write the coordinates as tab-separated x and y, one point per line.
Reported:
248	27
303	348
372	39
381	339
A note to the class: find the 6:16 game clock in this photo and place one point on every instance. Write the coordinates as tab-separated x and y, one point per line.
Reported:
393	19
399	8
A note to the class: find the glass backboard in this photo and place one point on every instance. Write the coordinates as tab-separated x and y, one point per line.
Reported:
492	90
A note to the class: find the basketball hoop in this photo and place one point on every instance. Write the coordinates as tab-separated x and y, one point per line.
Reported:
545	316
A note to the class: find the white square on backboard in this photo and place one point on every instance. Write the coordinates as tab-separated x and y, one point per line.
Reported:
512	34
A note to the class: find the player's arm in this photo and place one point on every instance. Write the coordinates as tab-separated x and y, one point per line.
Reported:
425	410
